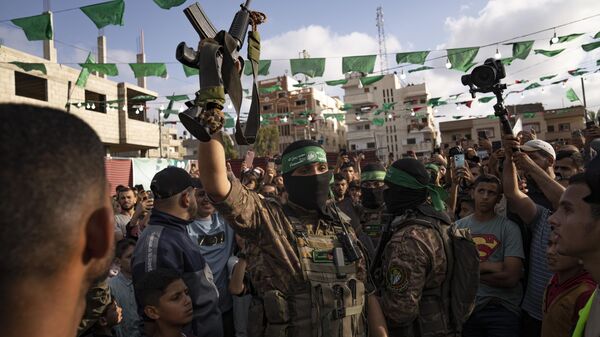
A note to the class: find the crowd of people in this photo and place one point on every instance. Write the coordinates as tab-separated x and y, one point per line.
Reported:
470	240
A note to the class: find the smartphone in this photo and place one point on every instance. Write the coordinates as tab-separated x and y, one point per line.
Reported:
150	195
249	159
483	154
482	134
496	145
271	164
459	160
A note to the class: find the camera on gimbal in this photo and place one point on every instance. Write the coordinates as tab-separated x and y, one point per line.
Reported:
486	77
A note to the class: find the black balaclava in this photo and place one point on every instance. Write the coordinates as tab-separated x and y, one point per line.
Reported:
372	198
310	192
399	199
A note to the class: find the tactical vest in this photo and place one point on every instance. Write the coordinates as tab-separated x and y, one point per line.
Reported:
329	304
372	224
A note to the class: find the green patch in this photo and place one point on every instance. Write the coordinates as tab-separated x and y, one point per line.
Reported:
397	279
322	256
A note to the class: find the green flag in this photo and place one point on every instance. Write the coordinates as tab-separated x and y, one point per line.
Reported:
189	71
532	86
300	122
378	121
577	72
543	78
572	96
85	73
590	46
304	84
416	57
486	99
364	64
271	89
567	38
178	98
598	63
263	67
311	67
38	27
529	114
336	82
30	66
370	79
419	69
548	53
457	117
148	69
109	69
388	106
507	60
229	123
433	101
597	36
462	58
143	98
105	13
347	106
521	49
167	4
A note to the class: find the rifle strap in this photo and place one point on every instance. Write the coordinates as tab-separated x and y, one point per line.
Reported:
248	136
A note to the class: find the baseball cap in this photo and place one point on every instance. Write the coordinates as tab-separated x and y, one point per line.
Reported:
170	181
539	145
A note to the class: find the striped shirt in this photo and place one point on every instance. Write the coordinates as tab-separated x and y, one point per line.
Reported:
539	275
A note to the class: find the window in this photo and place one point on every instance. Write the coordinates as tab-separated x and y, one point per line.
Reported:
317	102
367	126
174	137
31	86
396	138
534	126
564	127
300	102
550	128
281	94
267	107
468	136
353	147
370	145
97	98
366	90
284	130
424	120
411	141
489	132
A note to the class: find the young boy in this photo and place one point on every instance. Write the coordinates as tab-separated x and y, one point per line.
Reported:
166	301
121	288
568	291
111	317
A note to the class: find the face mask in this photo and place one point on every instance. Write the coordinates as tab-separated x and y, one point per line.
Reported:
398	200
310	192
372	197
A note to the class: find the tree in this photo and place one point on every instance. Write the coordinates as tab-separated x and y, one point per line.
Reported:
230	151
267	141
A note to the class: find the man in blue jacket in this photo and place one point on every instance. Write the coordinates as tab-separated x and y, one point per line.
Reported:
165	243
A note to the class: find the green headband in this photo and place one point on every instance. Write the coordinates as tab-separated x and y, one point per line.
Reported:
302	156
403	179
372	175
432	166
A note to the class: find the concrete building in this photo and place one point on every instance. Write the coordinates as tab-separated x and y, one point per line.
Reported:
302	113
171	144
122	125
408	124
550	125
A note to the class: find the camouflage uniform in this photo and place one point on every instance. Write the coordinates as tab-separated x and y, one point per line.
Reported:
371	223
414	268
284	275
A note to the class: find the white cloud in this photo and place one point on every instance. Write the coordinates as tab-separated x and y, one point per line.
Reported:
14	37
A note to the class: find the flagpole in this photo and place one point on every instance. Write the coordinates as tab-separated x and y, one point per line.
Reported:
583	90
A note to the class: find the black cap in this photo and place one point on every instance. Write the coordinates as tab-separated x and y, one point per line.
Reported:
592	178
171	181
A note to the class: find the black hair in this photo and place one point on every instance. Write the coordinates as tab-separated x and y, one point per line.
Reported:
347	165
575	156
338	177
373	167
488	178
122	246
579	178
153	285
354	184
39	217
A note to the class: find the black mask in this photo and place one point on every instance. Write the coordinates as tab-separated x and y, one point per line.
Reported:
372	197
398	200
310	192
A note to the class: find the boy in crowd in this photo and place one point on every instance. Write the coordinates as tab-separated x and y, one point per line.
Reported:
111	318
501	262
566	294
121	288
166	301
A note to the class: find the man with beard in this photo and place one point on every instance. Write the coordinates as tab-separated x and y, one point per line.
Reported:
568	163
310	274
51	255
131	213
165	243
371	186
215	240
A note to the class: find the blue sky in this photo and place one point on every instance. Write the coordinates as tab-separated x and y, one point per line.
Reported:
334	28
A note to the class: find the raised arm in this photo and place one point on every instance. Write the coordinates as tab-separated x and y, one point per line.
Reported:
550	187
519	201
213	170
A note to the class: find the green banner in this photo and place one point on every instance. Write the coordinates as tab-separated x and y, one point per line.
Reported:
336	82
143	98
178	98
85	73
462	58
521	49
149	69
378	121
347	106
271	89
189	71
168	4
567	38
597	36
30	66
572	96
507	60
548	77
364	64
109	69
590	46
38	27
532	86
370	79
577	72
311	67
263	67
433	101
229	123
548	53
486	99
388	106
419	69
416	57
105	13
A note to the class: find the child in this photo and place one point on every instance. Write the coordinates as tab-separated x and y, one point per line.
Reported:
121	289
568	291
166	302
111	317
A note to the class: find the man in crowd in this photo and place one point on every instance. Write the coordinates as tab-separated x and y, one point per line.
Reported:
537	164
568	163
51	255
293	241
501	262
165	243
121	288
373	206
347	170
215	240
576	223
132	212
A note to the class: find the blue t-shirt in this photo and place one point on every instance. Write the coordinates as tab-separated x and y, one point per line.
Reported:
496	239
216	255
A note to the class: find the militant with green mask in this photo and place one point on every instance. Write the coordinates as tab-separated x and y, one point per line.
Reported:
310	192
403	179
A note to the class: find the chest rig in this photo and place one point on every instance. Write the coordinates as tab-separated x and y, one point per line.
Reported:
372	224
331	302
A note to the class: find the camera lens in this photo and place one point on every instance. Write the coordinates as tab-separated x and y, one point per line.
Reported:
483	76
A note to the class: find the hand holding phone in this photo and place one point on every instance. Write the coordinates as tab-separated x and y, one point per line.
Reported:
249	159
459	160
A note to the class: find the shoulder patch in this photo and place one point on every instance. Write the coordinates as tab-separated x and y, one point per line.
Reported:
397	279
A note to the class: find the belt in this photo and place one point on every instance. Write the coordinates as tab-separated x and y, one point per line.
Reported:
211	240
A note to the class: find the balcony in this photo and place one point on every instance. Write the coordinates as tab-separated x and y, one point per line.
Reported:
363	98
419	147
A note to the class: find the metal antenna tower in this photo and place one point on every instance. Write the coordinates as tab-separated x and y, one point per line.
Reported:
381	38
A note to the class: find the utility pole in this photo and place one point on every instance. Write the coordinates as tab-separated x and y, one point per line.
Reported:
160	112
381	39
583	90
